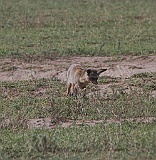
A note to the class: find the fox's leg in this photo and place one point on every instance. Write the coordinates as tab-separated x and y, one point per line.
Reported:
68	89
72	89
76	90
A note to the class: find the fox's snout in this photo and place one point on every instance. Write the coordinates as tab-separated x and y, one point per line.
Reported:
94	82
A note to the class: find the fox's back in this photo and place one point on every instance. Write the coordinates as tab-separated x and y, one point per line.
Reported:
74	72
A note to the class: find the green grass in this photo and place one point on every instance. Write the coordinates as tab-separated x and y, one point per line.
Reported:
70	27
126	141
147	81
44	98
23	100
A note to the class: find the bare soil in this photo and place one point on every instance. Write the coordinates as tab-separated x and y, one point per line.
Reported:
48	123
15	69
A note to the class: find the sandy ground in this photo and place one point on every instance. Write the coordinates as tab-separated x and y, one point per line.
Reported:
13	69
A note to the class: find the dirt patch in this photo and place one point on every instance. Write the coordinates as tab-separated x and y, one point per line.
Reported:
13	69
49	123
121	68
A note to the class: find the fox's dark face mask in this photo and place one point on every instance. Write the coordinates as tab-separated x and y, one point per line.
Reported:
93	75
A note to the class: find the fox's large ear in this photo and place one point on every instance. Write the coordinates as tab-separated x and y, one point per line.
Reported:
89	71
101	70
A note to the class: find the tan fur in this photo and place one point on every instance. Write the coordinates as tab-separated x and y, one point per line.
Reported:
77	77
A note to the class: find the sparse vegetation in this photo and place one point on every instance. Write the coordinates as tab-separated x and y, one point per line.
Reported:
33	30
43	98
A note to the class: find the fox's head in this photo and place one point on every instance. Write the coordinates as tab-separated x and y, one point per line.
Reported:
93	74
